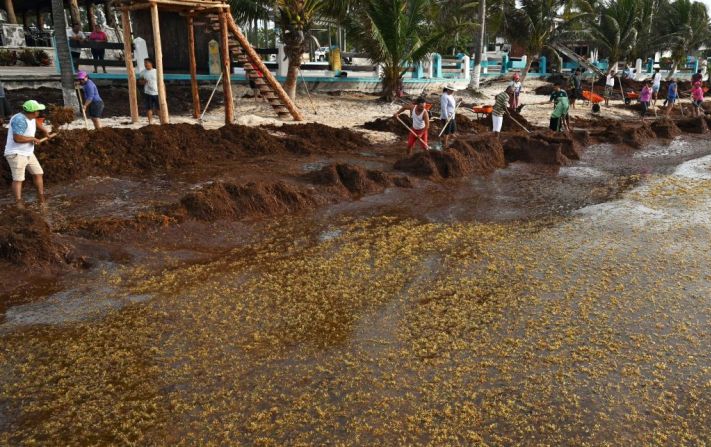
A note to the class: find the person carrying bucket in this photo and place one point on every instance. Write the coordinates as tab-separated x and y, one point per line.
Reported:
93	104
420	124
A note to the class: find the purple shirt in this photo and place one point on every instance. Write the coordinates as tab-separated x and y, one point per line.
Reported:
91	92
646	94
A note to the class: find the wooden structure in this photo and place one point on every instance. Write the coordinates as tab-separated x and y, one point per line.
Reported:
218	12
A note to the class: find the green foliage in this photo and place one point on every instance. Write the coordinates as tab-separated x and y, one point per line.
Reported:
33	58
687	28
616	30
7	57
395	33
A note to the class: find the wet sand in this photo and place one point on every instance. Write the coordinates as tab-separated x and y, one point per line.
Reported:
536	305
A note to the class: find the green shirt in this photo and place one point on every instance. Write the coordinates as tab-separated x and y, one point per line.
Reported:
561	107
502	100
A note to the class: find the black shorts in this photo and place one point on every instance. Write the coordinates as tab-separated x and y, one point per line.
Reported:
98	53
95	109
555	124
150	102
451	127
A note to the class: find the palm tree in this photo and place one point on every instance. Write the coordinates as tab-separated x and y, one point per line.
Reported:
617	29
296	18
65	60
395	34
687	25
536	25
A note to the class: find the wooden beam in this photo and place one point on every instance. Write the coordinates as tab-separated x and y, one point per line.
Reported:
11	17
226	78
259	65
193	67
162	100
128	56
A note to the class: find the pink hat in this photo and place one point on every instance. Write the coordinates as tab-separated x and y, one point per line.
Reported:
517	76
81	75
697	84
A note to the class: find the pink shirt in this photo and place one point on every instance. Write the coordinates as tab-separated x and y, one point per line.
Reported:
646	94
697	93
98	36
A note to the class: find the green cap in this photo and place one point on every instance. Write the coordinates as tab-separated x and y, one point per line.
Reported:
32	106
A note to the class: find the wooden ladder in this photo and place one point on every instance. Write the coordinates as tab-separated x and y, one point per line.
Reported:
268	86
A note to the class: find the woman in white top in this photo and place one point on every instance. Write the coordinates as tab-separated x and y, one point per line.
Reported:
420	124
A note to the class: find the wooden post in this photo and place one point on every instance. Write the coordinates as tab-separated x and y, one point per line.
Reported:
128	55
11	17
226	78
256	61
74	12
193	67
162	100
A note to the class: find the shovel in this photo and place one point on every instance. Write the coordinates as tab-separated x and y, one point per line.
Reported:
47	138
81	106
450	119
413	132
514	120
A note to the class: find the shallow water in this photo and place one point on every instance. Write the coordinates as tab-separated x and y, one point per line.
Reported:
534	306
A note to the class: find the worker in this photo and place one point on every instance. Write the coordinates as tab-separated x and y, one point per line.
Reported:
447	114
93	104
20	149
420	124
697	98
559	116
645	96
76	37
656	85
609	86
672	95
697	77
576	88
149	80
497	115
517	88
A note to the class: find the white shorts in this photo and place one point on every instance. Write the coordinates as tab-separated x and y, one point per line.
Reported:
498	122
18	164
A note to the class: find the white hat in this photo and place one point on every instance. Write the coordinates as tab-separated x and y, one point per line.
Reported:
450	87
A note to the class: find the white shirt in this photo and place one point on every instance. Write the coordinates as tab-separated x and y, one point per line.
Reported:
418	121
80	35
28	128
657	80
610	82
151	77
447	106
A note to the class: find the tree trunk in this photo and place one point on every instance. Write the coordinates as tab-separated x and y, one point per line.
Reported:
91	15
672	72
11	17
109	13
291	77
391	82
479	46
527	68
65	60
74	12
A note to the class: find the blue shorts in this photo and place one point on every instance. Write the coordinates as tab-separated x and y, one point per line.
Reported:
95	109
671	99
